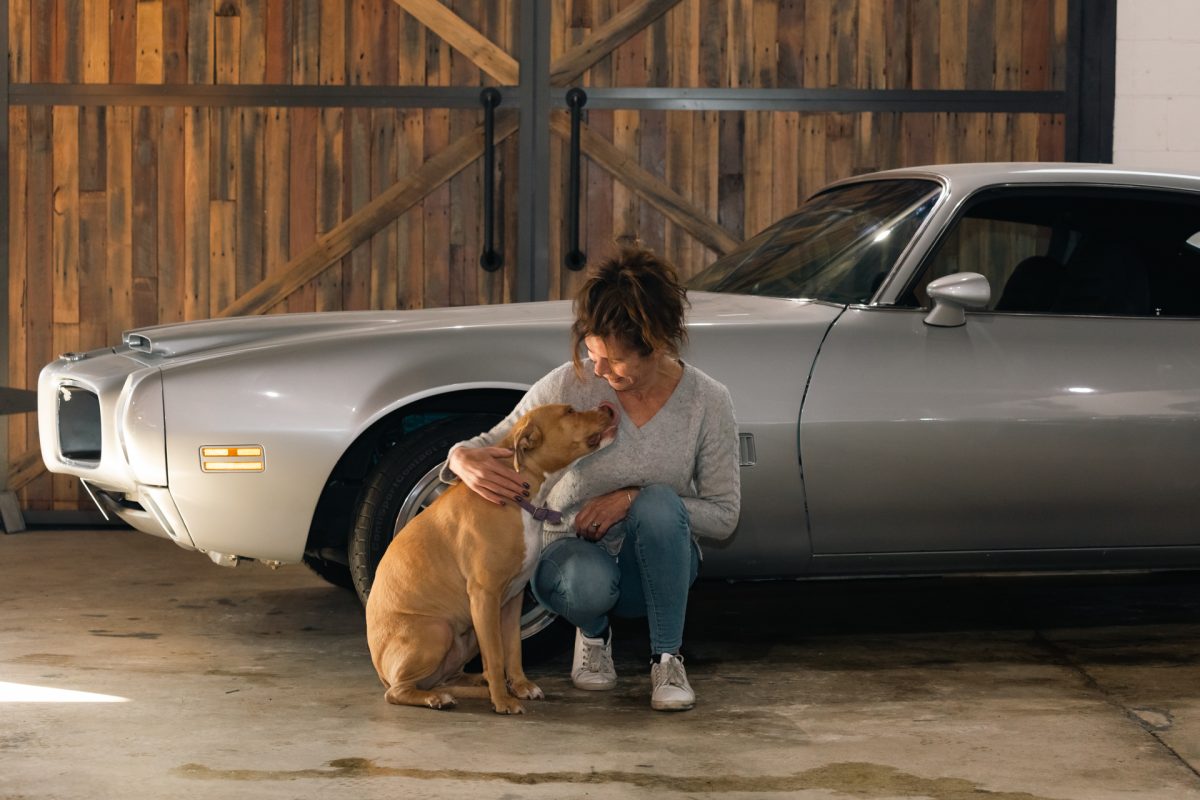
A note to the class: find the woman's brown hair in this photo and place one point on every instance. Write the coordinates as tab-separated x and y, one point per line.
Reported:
634	298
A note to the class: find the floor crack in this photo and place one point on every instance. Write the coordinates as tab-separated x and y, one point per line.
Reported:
1144	721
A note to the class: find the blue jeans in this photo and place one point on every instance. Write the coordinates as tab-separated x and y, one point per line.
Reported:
650	577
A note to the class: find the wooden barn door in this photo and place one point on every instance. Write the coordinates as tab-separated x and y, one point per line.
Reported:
171	160
720	116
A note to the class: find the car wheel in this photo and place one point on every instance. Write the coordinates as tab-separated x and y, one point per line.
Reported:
404	483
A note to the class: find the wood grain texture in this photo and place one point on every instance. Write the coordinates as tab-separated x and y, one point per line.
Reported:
302	202
172	216
227	47
602	40
276	191
333	42
952	45
20	374
93	288
483	52
197	196
901	44
38	295
250	191
329	193
20	39
925	36
23	469
278	33
306	44
94	41
119	256
175	35
358	158
200	45
147	127
65	218
149	59
652	188
1036	46
359	226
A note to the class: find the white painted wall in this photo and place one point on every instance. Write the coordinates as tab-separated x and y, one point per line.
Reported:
1157	113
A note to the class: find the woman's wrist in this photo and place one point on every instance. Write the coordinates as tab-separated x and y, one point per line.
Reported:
452	459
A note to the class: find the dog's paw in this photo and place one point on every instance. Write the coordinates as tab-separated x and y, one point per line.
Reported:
527	690
441	700
508	705
407	696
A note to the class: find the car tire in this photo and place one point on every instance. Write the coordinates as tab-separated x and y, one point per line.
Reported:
400	486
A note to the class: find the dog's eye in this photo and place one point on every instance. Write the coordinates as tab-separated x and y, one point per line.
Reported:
569	410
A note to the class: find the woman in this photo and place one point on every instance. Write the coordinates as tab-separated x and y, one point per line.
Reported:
636	506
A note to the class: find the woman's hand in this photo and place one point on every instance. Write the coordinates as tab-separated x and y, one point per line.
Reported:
601	513
488	472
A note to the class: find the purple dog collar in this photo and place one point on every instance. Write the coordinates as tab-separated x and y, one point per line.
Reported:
542	513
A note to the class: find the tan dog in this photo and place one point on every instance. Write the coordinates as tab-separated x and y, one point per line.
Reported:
451	582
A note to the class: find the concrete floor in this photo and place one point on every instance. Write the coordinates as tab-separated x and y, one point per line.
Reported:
254	683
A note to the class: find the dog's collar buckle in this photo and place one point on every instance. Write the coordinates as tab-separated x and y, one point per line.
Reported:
541	513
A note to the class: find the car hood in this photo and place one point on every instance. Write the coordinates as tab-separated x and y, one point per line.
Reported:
208	338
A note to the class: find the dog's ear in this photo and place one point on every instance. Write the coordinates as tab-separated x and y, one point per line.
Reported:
527	437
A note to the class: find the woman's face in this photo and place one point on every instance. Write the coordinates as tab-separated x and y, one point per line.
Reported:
623	367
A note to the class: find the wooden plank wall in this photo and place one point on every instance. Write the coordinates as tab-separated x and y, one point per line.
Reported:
123	216
127	215
746	169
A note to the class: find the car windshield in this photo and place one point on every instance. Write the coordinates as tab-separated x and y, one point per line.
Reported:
839	246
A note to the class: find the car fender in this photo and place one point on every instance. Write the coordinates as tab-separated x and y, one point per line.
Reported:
265	398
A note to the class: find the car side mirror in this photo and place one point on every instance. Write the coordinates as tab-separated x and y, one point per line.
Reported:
1194	241
953	294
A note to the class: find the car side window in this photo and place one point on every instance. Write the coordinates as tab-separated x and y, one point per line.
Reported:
1110	252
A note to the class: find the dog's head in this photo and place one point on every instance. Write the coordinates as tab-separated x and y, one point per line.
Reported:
551	437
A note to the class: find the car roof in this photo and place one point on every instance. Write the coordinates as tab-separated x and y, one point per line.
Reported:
969	177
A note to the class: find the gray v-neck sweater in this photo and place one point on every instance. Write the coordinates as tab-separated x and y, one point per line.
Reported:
690	445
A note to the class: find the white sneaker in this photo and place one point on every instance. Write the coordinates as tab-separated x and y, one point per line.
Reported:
672	692
592	668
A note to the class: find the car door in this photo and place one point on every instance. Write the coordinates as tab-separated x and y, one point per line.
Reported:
1064	415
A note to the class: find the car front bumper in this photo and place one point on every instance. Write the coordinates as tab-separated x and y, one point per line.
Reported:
101	420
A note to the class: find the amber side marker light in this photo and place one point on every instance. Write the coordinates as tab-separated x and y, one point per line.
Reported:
232	458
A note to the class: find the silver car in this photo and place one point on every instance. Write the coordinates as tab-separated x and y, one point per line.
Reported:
969	367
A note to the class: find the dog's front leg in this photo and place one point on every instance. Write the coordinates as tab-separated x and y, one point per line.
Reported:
485	615
510	625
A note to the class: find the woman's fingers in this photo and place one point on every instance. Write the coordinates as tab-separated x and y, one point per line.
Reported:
591	521
488	472
599	514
